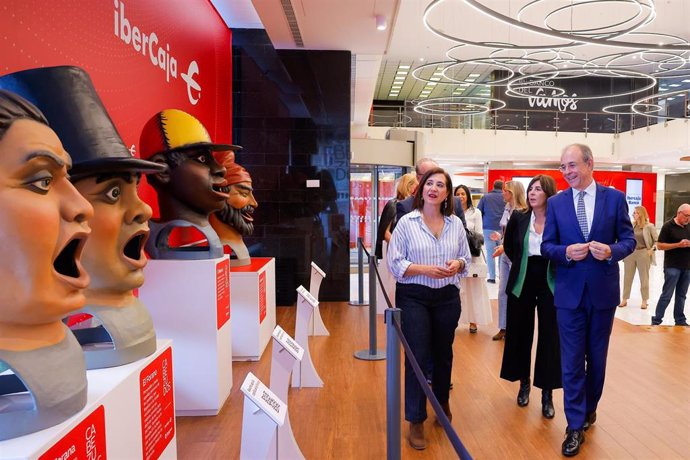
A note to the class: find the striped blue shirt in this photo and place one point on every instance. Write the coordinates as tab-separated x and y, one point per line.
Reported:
413	243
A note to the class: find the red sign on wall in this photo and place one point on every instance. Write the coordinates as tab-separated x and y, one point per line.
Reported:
143	56
262	296
157	405
84	441
222	292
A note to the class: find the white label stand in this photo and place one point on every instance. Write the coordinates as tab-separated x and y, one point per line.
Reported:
304	374
260	421
316	326
283	359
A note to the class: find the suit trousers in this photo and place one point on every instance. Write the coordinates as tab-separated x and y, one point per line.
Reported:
428	321
637	260
584	333
517	353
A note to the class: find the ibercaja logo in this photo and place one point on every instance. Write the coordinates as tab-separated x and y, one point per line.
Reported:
148	45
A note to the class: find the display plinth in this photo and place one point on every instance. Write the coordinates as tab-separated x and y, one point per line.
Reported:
283	357
304	374
316	326
263	414
253	299
129	413
189	301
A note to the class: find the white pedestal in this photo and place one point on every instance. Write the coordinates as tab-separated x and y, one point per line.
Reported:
304	374
130	413
316	326
286	352
189	302
253	299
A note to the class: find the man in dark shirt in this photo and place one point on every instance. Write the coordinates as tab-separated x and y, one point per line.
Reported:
491	205
674	238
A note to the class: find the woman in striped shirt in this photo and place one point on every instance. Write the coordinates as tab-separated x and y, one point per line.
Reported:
427	255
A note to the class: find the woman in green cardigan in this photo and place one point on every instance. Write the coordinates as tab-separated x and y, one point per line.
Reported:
530	288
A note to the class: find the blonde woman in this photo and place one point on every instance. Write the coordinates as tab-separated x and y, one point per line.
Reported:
642	258
514	196
407	184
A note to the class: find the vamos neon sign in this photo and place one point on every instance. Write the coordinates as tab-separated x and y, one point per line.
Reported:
159	56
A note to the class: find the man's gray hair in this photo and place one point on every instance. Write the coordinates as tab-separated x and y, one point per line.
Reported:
421	161
586	151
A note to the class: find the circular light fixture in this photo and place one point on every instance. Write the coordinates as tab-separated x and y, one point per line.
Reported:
429	106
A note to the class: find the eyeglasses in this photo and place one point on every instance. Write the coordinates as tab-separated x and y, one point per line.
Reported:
570	166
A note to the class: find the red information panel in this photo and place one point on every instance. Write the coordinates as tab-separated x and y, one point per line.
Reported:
262	296
222	292
157	407
85	441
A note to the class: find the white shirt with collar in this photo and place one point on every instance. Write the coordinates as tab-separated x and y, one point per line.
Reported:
590	200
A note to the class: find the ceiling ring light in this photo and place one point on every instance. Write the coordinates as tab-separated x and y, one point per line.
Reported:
440	33
608	109
666	95
417	70
426	107
510	91
600	30
564	36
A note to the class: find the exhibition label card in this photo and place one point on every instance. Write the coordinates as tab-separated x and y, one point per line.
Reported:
84	441
288	343
262	296
157	407
318	270
264	398
222	292
307	296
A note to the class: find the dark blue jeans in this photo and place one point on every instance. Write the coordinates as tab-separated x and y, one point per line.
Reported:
678	280
429	318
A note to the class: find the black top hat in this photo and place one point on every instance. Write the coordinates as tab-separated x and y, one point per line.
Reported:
69	101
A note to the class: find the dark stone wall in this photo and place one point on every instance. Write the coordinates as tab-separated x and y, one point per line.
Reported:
291	113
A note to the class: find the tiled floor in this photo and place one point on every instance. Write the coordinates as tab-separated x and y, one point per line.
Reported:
632	314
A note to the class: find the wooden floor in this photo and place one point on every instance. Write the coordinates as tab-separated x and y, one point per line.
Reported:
644	413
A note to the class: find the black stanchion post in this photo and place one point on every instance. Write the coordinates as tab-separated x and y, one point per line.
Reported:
360	274
372	354
392	385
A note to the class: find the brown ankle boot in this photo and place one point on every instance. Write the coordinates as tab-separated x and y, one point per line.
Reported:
416	436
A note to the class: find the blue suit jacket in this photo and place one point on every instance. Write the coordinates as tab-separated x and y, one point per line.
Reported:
610	225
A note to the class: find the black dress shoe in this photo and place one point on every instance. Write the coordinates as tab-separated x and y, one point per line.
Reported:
523	394
547	404
589	420
573	440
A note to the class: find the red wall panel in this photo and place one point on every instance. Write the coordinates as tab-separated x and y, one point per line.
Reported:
617	179
113	40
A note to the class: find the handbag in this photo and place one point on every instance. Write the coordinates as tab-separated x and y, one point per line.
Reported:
478	268
475	241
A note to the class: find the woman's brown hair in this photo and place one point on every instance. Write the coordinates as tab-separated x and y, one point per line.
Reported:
447	208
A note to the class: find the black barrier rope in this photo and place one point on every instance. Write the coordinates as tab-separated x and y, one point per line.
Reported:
443	419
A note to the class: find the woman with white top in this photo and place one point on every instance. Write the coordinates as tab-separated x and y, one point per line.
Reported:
530	287
427	255
474	295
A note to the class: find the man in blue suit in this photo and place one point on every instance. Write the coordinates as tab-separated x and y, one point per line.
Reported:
587	232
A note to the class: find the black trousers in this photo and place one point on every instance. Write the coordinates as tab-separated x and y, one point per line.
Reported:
428	320
517	354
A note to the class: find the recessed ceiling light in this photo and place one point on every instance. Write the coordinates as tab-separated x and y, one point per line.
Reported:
670	98
435	79
674	85
465	84
474	75
403	66
663	89
470	79
401	72
687	80
422	59
432	83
